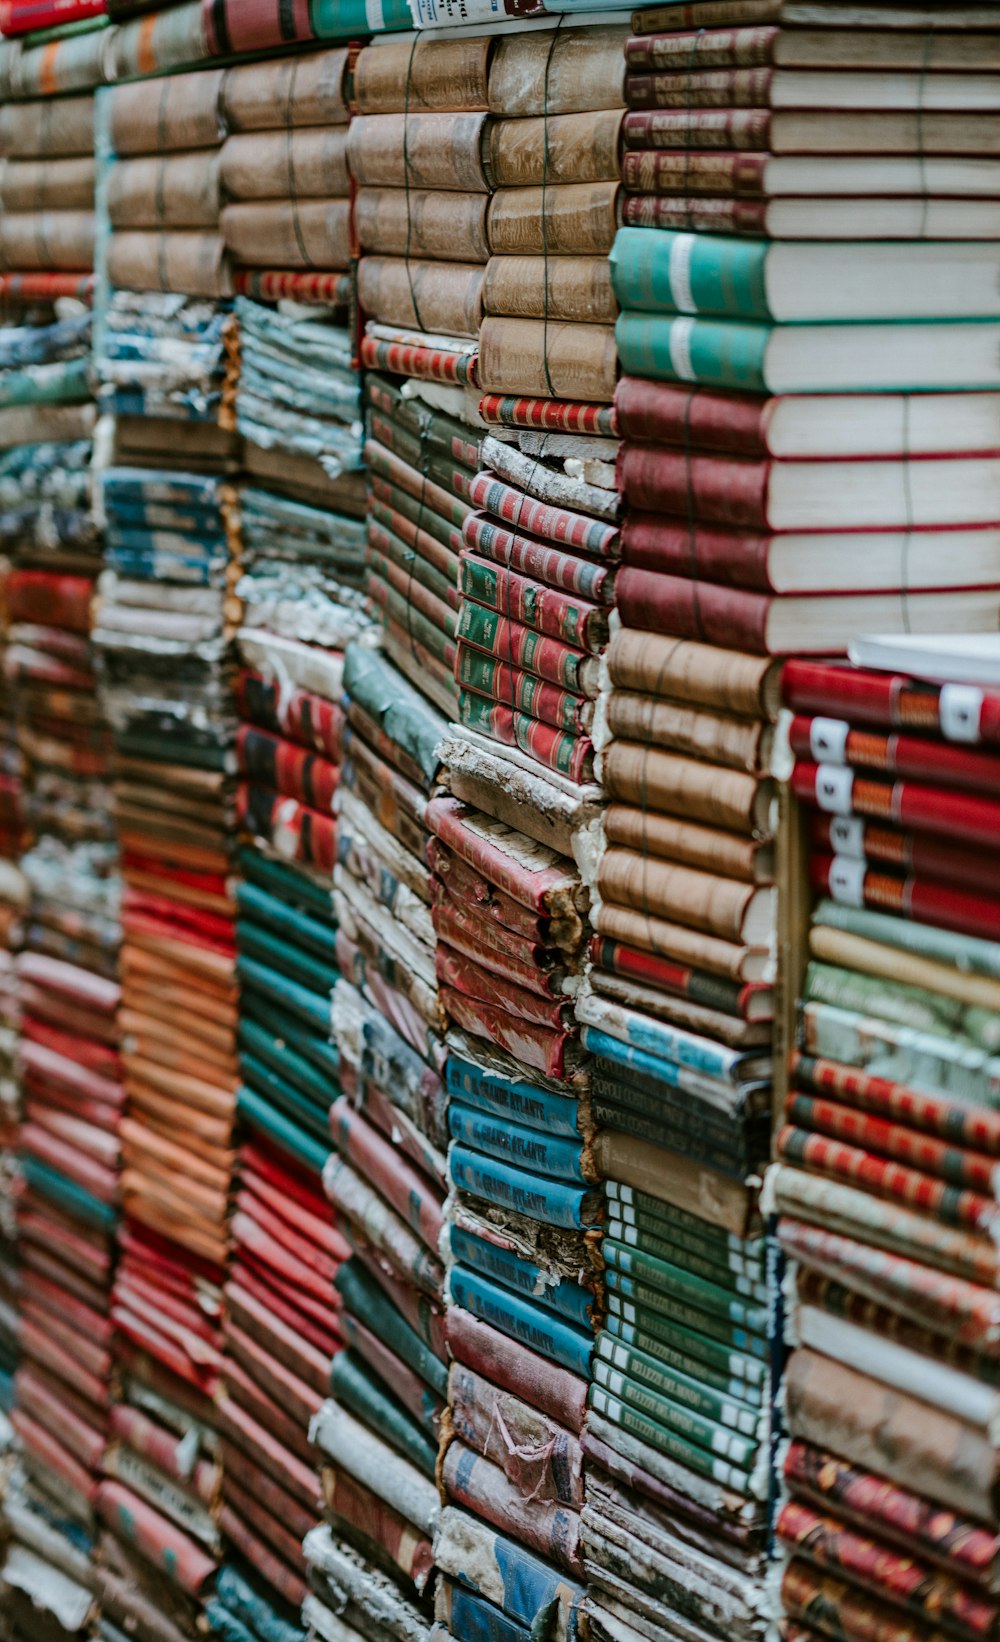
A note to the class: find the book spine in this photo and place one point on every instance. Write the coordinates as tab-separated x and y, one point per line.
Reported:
368	1516
541	1108
571	755
664	1441
704	215
476	1483
273	762
973	1170
700	1431
649	1312
953	1121
842	1489
727	89
909	897
364	1297
656	413
539	560
717	354
523	1320
555	524
724	489
730	129
674	1280
377	1159
721	47
522	647
834	741
478	978
353	1386
512	1577
166	1546
531	1149
714	991
467	1615
529	880
505	1363
854	1165
536	1047
550	1201
964	817
542	1455
662	171
558	615
523	693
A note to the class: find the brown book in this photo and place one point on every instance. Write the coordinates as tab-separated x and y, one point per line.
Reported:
703	674
671	1178
48	185
886	1431
423	222
730	854
581	70
272	164
660	780
176	260
445	297
724	907
530	357
732	1030
286	91
433	73
166	191
562	148
292	233
441	151
565	220
682	946
181	111
737	743
577	288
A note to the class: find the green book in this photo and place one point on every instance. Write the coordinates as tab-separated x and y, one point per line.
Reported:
705	1359
258	1113
685	1390
258	906
740	1451
667	1442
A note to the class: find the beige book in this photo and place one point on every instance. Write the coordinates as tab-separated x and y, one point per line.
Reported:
422	222
725	907
548	359
431	73
731	854
562	148
562	220
683	670
179	111
268	165
665	1175
658	780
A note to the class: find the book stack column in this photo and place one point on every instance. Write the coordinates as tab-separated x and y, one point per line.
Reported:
67	991
301	546
13	904
510	912
887	1154
167	614
417	156
555	101
678	1019
377	1435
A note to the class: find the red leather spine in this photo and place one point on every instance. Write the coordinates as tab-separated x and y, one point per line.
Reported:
696	418
682	608
721	489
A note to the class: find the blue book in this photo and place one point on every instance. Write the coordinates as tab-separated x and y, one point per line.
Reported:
550	1201
569	1299
513	1143
524	1320
512	1098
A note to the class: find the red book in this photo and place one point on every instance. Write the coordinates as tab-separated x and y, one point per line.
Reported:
22	16
965	817
914	898
959	712
928	857
693	418
832	741
689	608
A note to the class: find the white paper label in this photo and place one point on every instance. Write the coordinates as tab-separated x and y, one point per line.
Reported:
847	835
680	349
828	740
960	706
847	881
834	786
681	251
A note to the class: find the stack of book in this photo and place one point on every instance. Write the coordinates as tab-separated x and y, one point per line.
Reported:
47	220
510	917
676	1015
378	1433
283	166
300	603
163	193
884	1180
416	154
555	101
537	580
165	621
68	995
421	462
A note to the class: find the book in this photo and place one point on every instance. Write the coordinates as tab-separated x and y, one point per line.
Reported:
715	275
804	357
